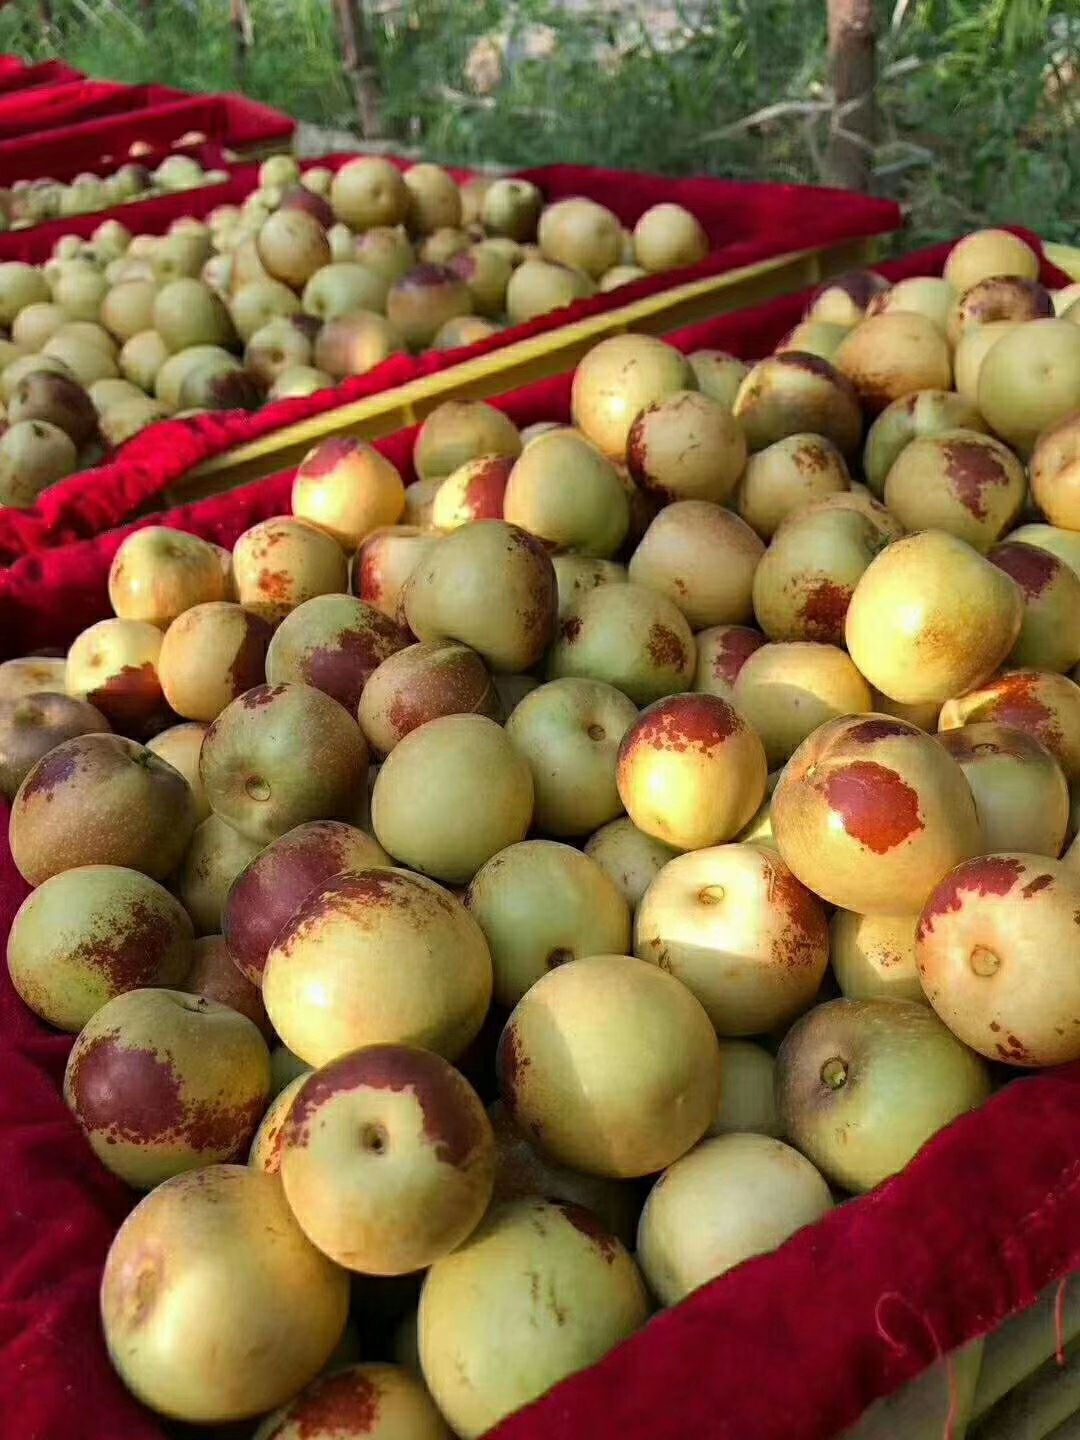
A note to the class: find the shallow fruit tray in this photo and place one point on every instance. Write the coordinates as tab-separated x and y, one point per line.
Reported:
793	1346
748	226
46	108
232	122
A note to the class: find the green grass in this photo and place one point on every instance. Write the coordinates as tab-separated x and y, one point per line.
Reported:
969	132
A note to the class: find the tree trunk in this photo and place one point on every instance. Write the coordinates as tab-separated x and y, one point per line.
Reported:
848	158
359	59
243	32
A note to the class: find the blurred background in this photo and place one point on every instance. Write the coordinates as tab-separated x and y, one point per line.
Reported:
967	111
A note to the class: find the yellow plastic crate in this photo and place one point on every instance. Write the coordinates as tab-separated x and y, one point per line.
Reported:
525	361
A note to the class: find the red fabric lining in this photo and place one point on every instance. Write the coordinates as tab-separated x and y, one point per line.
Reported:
746	223
789	1347
45	107
48	72
227	120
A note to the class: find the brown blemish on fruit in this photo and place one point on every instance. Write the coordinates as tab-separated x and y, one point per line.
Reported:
665	648
1032	569
486	487
681	722
586	1222
53	769
131	951
343	667
877	808
276	585
810	458
370	587
1014	700
812	364
1013	1051
986	875
571	628
972	468
260	695
249	663
824	610
511	1062
804	942
734	649
128	1092
1034	886
328	456
880	727
452	1125
344	1404
132	699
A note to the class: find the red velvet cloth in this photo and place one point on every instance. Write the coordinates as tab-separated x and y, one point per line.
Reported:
231	121
45	107
49	72
745	222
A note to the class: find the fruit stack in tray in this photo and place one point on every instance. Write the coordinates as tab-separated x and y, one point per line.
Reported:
566	875
315	277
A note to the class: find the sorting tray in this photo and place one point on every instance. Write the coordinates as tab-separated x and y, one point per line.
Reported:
792	1346
749	226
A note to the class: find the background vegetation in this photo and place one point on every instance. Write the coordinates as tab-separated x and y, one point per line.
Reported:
979	100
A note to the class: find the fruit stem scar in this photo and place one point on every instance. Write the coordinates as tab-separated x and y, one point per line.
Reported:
596	732
711	894
834	1073
373	1139
983	961
257	788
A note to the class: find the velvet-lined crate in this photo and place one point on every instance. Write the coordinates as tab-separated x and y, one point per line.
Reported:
792	1346
230	125
749	227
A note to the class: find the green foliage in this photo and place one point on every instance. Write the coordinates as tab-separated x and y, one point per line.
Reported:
979	100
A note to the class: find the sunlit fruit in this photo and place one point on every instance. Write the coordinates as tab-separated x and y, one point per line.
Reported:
870	813
377	956
624	1099
931	618
995	950
215	1306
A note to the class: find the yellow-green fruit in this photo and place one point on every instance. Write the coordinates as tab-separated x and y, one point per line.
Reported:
450	795
378	956
873	956
89	934
861	1085
569	732
161	1082
539	1292
736	927
511	899
623	1099
215	1306
732	1197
